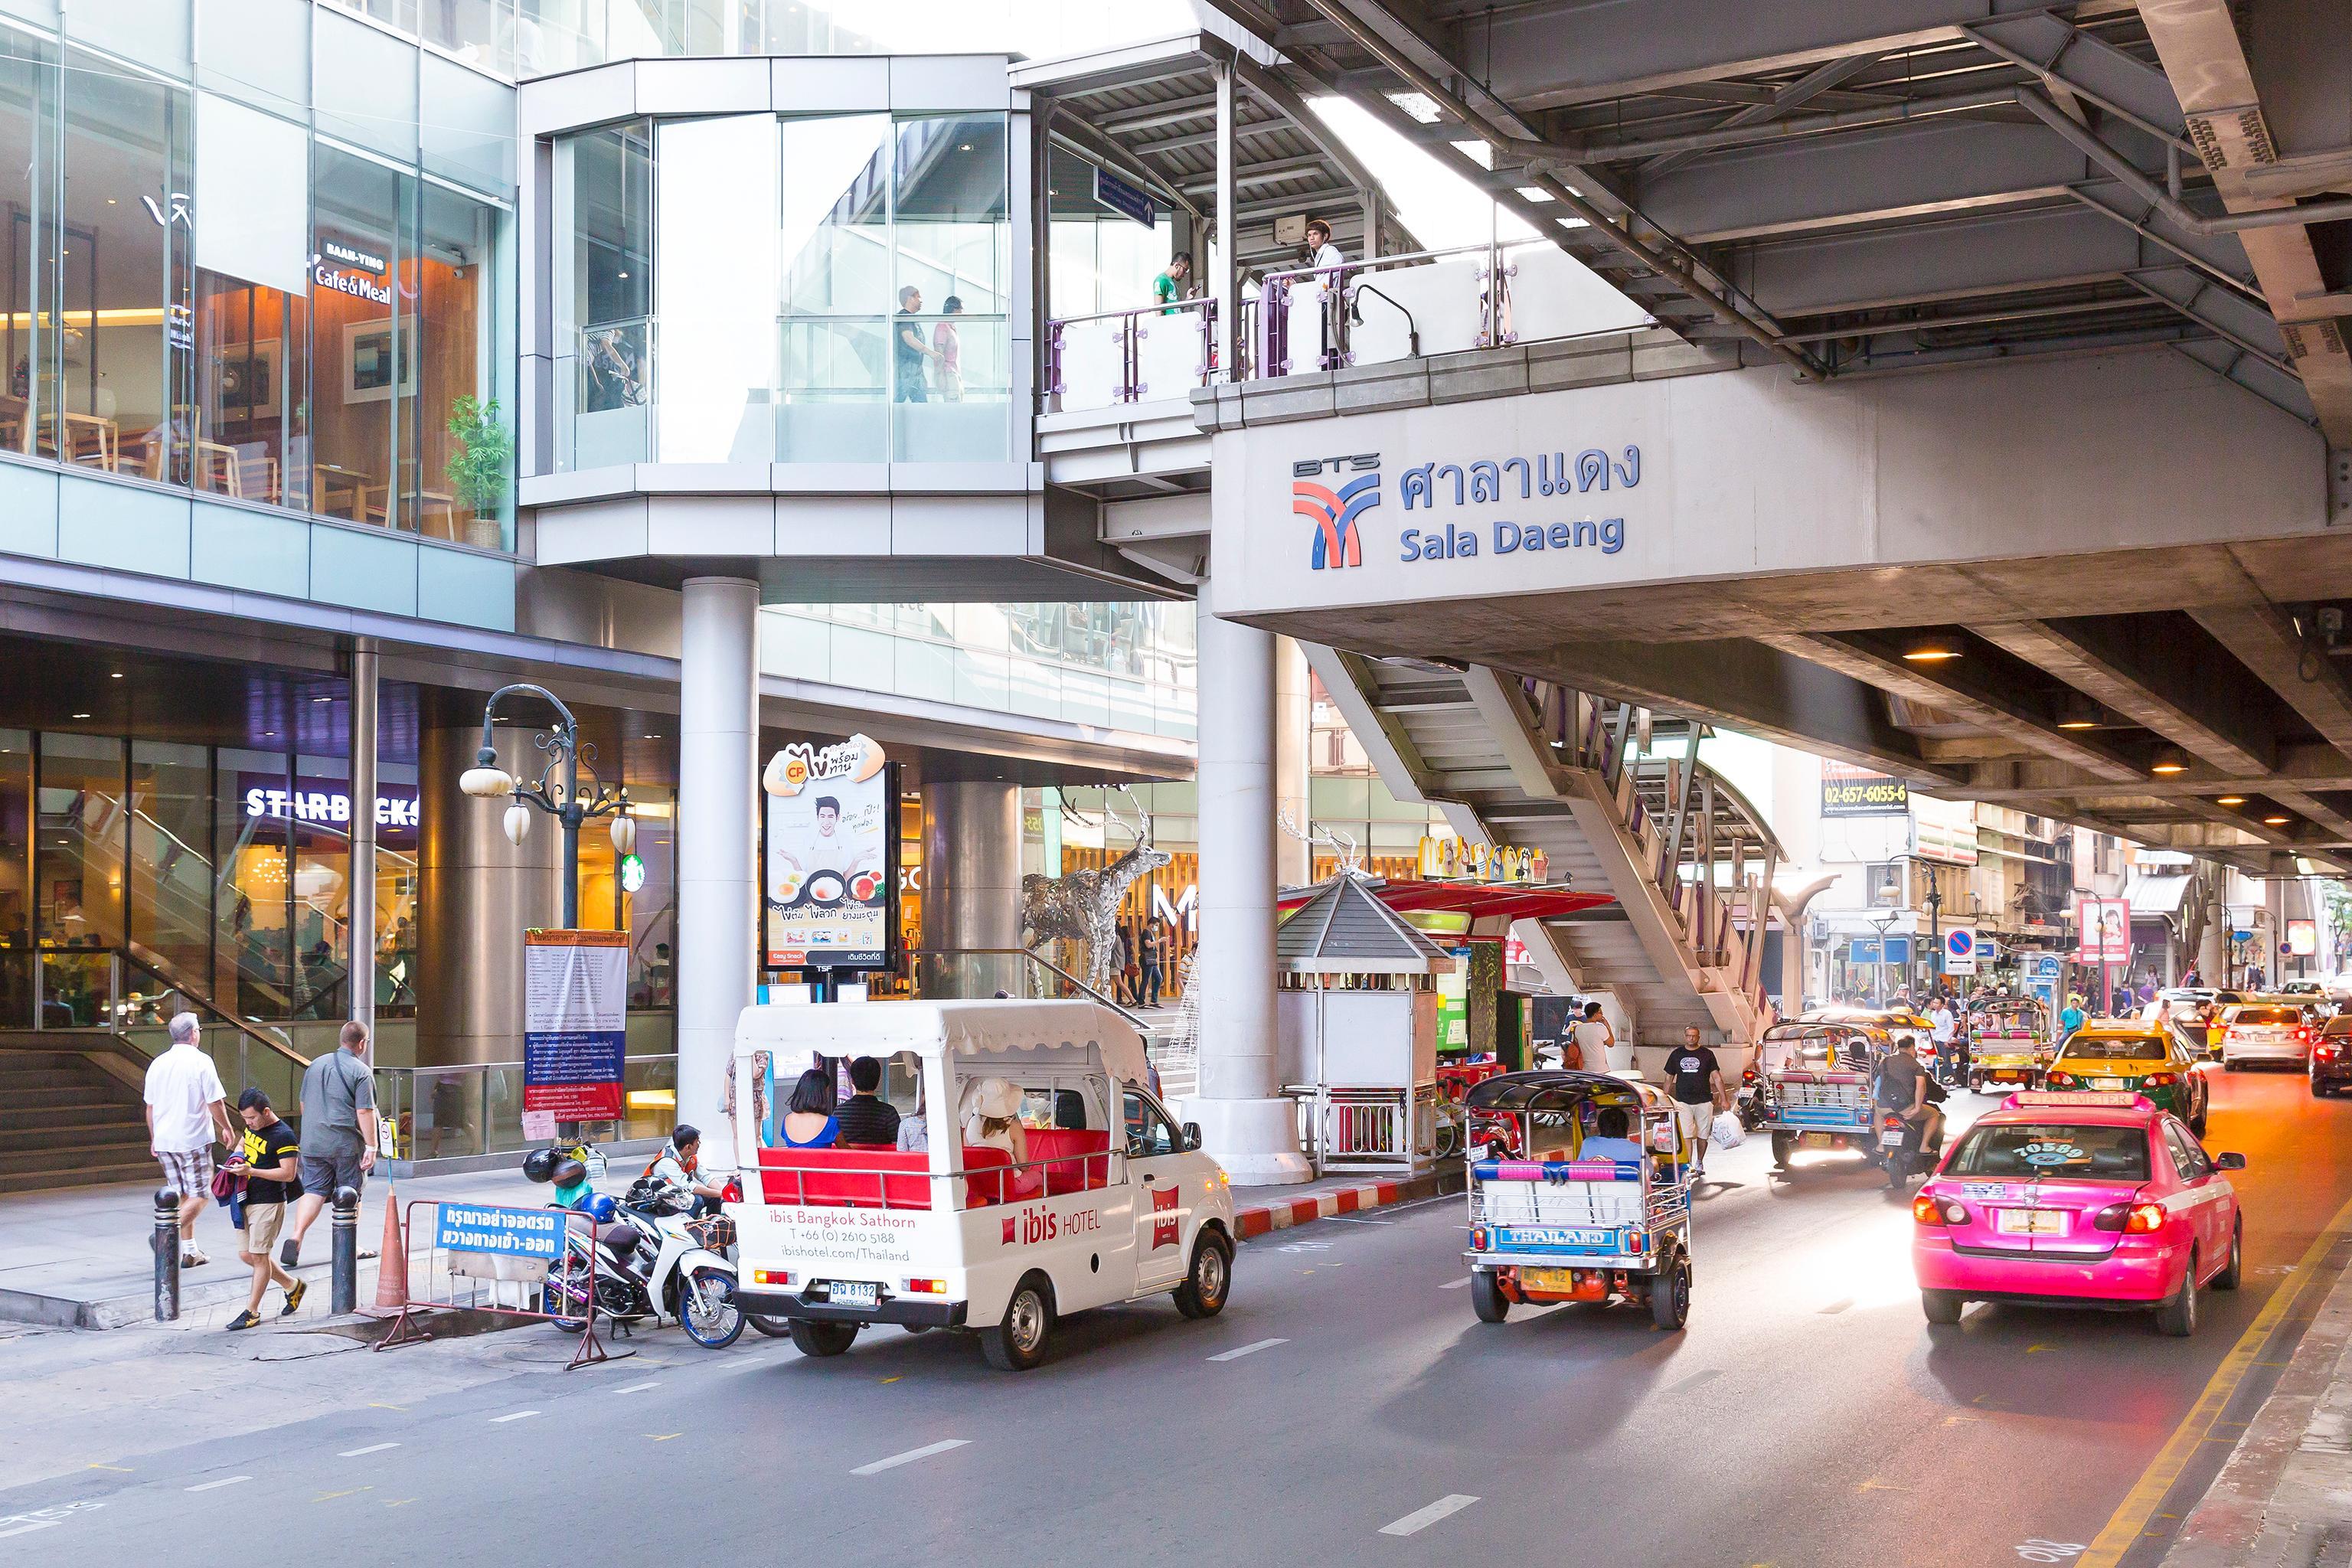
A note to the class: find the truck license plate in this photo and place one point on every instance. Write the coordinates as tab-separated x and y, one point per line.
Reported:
1547	1278
1818	1140
854	1293
2029	1222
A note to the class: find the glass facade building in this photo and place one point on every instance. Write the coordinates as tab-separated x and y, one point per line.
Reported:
882	273
206	295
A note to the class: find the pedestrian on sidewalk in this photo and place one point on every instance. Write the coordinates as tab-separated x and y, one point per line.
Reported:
1151	953
269	1157
187	1109
338	1132
1696	1081
1596	1044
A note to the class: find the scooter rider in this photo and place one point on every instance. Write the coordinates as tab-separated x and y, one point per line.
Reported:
680	1166
1905	1087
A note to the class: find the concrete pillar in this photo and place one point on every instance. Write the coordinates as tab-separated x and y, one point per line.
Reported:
718	839
1244	1122
1293	858
359	885
972	886
476	895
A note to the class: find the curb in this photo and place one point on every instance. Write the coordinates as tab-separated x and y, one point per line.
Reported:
1259	1221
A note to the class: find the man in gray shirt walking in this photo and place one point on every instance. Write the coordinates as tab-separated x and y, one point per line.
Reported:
338	1131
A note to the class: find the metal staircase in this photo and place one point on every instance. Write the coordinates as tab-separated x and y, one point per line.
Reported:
1611	793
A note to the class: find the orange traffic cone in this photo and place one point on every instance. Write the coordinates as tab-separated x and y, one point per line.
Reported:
392	1264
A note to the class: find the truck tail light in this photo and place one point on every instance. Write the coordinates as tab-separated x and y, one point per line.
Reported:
772	1277
926	1286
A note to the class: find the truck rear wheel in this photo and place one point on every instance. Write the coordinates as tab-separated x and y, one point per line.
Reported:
1486	1298
1783	1145
1019	1341
811	1338
1202	1294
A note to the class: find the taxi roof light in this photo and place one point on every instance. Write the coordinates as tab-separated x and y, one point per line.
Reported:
2120	1099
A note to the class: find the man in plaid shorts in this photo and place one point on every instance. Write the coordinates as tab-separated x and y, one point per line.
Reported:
187	1109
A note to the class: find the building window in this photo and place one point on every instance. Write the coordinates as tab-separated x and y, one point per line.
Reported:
604	295
456	273
952	299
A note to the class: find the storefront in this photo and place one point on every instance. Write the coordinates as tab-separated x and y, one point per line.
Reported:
200	294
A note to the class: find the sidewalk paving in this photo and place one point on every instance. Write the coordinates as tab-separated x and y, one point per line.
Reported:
2283	1499
1258	1210
79	1256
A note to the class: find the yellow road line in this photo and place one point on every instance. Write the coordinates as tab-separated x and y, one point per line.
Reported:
2140	1505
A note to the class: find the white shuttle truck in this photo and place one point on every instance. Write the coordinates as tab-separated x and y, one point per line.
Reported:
1115	1202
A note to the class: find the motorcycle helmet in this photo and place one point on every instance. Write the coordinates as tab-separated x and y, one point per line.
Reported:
568	1171
538	1165
603	1209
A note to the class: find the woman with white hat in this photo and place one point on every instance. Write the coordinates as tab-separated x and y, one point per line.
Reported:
992	1119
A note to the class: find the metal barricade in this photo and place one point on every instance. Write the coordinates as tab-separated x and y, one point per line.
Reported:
1374	1129
407	1325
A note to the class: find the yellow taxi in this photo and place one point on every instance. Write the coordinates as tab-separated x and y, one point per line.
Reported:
2133	1056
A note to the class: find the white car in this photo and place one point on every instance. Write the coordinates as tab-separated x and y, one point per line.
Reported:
1114	1203
2265	1032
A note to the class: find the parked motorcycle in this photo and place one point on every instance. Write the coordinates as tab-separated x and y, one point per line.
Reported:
643	1260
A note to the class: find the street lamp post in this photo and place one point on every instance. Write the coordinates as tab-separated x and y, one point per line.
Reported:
561	800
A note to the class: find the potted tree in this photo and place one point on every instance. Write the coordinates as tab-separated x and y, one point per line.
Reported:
477	472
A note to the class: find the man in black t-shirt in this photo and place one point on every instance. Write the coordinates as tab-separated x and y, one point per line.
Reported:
864	1118
1696	1081
271	1159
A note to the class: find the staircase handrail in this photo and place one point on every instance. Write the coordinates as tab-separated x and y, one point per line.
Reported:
276	1044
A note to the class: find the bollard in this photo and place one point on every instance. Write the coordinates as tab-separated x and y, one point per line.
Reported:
167	1254
344	1294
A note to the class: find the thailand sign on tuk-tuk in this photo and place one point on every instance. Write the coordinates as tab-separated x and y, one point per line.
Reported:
1580	1191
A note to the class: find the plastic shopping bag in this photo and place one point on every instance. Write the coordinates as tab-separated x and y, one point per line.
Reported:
1727	1133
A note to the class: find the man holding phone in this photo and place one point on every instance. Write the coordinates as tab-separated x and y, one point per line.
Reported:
269	1158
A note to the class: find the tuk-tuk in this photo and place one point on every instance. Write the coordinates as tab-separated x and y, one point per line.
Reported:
1817	1079
2010	1043
1894	1022
1557	1216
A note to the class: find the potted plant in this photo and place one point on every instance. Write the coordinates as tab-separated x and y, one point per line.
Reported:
478	473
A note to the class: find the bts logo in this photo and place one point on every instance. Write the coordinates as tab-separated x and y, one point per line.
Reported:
1334	510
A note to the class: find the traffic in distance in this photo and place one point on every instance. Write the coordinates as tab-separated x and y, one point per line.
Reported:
1002	1165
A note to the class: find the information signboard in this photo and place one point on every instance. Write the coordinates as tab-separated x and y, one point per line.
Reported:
575	1023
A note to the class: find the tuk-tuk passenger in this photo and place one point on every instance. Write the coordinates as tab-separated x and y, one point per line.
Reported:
1609	1141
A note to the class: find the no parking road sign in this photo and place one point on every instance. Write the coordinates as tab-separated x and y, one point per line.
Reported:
1961	951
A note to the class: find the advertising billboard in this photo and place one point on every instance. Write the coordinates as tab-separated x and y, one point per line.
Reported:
1850	791
2302	938
832	872
2104	931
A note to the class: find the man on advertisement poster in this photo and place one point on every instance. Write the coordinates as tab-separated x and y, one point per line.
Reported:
830	832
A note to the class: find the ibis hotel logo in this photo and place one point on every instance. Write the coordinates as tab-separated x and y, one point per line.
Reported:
1332	493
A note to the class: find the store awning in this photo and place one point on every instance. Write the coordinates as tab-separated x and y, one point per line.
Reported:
1479	901
2157	896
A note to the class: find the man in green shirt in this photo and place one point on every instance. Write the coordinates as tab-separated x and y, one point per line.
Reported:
1168	287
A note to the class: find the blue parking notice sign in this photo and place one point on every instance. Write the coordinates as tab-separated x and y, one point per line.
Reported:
505	1231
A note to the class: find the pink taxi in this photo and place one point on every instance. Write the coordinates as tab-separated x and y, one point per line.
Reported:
2078	1200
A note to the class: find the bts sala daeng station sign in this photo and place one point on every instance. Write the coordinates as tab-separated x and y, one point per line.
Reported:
831	862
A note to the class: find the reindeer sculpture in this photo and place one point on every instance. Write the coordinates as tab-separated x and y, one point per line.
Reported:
1084	905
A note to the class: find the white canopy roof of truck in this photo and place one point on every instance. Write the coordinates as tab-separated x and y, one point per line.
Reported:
943	1029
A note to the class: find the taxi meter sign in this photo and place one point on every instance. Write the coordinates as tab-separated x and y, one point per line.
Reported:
1961	951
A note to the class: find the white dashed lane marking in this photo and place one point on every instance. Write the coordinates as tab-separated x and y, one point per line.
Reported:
515	1416
1421	1518
1249	1349
909	1457
224	1482
371	1449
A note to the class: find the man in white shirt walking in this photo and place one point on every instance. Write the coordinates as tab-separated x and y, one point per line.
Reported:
187	1109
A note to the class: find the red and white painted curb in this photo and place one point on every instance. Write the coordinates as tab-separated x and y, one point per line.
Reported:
1258	1221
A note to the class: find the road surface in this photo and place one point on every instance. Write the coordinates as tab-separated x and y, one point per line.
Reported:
1347	1408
